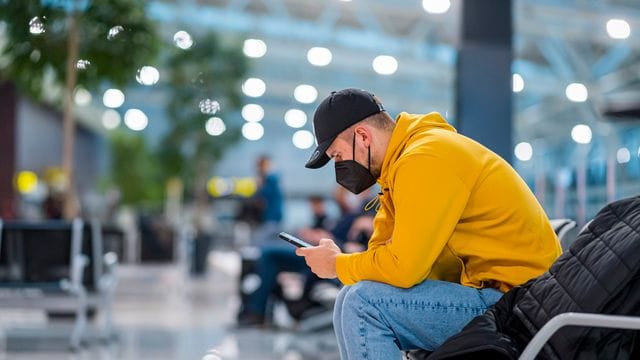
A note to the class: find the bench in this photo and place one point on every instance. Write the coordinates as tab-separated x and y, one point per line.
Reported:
51	280
59	267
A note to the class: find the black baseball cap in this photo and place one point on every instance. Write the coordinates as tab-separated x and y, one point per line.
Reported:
336	113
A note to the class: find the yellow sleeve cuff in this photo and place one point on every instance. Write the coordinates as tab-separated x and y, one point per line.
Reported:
342	269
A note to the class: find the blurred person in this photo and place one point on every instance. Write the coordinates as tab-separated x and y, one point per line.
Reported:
269	201
277	258
319	213
456	225
53	206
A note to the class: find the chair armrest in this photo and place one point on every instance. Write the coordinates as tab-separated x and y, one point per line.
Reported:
576	319
74	284
109	279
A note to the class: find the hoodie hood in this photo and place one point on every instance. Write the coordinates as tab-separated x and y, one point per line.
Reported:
407	126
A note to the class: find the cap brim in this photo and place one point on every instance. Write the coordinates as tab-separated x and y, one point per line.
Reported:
319	157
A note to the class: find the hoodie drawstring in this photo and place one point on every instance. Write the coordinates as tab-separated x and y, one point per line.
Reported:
374	203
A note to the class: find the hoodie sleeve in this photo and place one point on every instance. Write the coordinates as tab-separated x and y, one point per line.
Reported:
429	198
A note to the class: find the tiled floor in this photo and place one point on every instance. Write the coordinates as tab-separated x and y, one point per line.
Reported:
161	313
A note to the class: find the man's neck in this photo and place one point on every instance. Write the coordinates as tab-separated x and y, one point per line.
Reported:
380	148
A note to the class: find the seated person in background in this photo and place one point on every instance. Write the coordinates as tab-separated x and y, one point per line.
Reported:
319	213
456	227
278	258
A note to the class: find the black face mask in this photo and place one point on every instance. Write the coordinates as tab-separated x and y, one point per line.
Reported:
353	176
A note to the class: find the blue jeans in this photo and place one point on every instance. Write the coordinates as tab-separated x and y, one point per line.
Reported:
373	320
273	260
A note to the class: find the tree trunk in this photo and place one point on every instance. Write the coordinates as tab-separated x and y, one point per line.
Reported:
71	208
8	101
200	194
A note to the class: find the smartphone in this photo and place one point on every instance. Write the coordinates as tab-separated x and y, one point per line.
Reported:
294	240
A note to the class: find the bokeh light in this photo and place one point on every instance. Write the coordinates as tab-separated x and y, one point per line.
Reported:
576	92
36	26
209	106
110	119
148	75
581	134
523	151
517	83
114	32
319	56
135	119
219	186
113	98
254	48
252	113
385	64
254	87
295	118
245	186
252	131
183	40
302	139
305	94
83	64
215	126
26	182
623	155
436	6
82	97
618	29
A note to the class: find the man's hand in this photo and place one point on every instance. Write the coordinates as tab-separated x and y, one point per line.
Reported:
322	258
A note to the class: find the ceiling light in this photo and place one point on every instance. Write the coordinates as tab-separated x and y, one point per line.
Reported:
305	94
517	83
385	64
618	29
581	134
577	92
523	151
252	112
254	48
252	131
302	139
319	56
436	6
623	155
254	87
295	118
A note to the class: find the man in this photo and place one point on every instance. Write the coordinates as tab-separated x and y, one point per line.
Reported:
456	227
270	201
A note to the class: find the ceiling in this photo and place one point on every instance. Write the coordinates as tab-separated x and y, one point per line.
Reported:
556	42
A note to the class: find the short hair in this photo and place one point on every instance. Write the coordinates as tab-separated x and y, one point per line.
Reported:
316	198
381	121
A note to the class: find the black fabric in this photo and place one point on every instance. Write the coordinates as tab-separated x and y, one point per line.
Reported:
335	114
599	274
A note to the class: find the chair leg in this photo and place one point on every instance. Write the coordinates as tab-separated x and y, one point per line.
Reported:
80	324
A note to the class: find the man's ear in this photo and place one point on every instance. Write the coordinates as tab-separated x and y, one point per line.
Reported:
363	133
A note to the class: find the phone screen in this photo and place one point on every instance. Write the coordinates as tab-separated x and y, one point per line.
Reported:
293	240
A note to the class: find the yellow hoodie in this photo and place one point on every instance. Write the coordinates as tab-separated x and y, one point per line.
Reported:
451	210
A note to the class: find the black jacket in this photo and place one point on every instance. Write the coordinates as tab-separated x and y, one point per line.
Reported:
599	274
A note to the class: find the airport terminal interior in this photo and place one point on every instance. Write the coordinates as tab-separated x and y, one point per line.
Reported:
151	152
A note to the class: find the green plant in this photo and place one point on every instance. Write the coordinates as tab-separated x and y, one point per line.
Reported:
134	171
29	58
47	46
211	69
